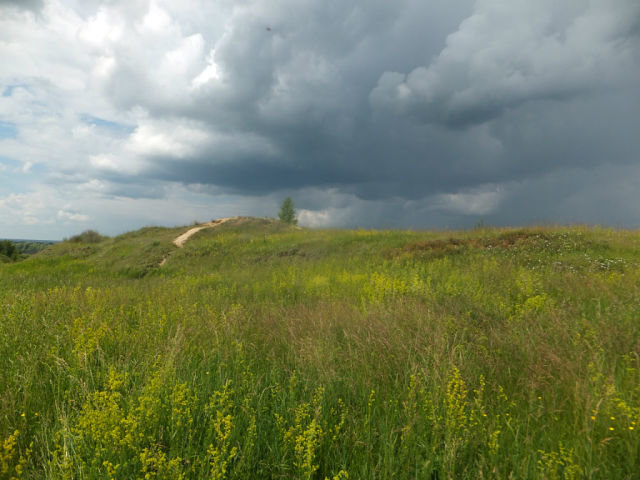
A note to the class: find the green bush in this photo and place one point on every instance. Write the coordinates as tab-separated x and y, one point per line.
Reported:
88	236
9	250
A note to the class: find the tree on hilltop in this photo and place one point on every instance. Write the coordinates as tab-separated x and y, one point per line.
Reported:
288	212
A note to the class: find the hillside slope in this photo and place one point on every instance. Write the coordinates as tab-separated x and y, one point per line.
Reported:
259	350
138	253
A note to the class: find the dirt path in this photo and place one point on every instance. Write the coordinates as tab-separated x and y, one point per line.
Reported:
182	239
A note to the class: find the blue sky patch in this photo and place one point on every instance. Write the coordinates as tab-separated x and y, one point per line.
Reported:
10	181
8	130
8	162
118	128
14	180
8	91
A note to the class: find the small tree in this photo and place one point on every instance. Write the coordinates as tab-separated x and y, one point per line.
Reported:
288	212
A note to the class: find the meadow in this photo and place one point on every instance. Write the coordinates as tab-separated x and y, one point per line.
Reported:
261	350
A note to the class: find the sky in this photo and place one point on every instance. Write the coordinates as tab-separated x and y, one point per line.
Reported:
119	114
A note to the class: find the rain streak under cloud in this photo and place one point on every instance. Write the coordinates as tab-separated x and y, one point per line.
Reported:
119	114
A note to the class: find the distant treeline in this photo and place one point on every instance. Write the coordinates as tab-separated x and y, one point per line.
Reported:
13	250
29	247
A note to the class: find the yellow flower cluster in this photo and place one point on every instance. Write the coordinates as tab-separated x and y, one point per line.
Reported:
12	464
221	408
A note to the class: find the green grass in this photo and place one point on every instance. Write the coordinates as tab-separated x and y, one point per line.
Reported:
261	350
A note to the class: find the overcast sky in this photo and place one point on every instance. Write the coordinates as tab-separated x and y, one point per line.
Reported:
118	114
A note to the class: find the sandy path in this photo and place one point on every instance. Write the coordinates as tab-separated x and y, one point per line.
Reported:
182	239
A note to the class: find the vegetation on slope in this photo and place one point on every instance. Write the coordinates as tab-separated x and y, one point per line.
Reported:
88	236
15	250
30	247
8	251
260	350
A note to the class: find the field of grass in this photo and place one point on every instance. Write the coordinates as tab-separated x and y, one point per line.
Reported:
266	351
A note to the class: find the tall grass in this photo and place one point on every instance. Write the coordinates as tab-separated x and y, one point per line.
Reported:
260	351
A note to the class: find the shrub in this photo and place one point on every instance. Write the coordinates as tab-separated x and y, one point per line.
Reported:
88	236
8	249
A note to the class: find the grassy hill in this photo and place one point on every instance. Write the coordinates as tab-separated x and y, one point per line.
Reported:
261	350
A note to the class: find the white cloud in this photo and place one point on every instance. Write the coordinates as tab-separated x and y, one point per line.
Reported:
72	216
330	217
469	203
156	20
24	208
181	60
167	139
211	72
105	162
27	220
103	29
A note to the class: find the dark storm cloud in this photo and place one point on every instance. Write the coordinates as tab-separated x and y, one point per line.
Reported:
377	113
508	54
493	93
303	82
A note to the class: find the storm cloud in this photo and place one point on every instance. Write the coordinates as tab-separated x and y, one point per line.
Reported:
388	114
